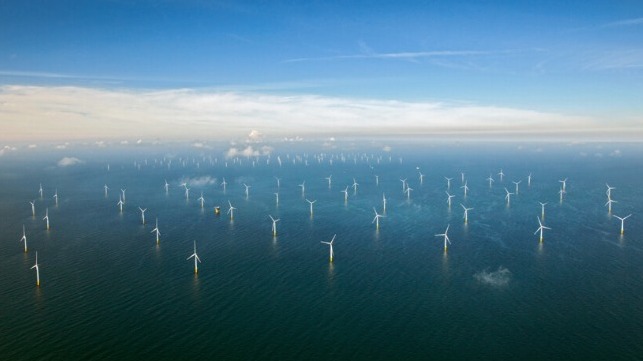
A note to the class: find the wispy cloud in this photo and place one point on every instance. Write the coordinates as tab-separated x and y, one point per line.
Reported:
69	161
410	55
63	113
615	59
622	23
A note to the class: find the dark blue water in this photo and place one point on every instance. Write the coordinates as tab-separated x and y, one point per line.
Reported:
109	292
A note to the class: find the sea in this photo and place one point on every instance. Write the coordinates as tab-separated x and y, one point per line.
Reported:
108	291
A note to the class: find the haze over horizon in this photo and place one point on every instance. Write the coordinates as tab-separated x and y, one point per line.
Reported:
177	70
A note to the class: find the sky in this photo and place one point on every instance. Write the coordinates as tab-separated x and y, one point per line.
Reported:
219	69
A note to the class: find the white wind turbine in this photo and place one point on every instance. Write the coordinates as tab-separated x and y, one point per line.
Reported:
609	204
529	180
247	190
196	258
278	181
564	182
408	192
231	211
24	237
120	203
383	203
376	219
329	178
403	185
355	184
40	190
167	187
448	182
562	193
490	179
156	229
201	199
224	184
609	191
187	191
331	247
36	266
311	206
449	198
303	188
276	198
542	209
623	221
274	225
466	188
466	213
106	188
461	177
377	180
516	183
46	217
123	192
540	229
345	191
421	177
446	237
33	208
501	174
55	196
142	214
508	196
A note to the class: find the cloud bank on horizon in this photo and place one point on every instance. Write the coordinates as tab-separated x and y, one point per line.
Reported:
40	113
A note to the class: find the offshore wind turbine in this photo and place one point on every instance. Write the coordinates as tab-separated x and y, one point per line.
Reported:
508	196
383	203
623	221
609	204
120	202
231	211
196	258
187	191
355	184
24	237
466	188
446	237
448	182
403	185
529	180
224	184
501	174
276	198
46	217
564	182
278	180
33	208
331	247
421	177
156	229
36	266
142	214
329	178
40	190
201	199
562	193
303	188
490	179
55	196
466	213
106	188
542	209
516	183
609	191
274	225
376	220
449	198
540	229
123	192
311	206
247	190
461	177
167	187
345	191
377	180
408	192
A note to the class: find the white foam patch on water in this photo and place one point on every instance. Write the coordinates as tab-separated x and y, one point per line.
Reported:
498	278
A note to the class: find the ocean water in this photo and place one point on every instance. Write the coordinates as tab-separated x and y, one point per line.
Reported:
109	292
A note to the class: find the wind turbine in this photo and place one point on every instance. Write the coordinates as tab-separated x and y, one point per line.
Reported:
167	187
303	188
156	229
345	191
508	196
142	214
24	237
355	184
529	180
196	258
329	178
376	220
466	213
542	209
201	199
623	221
540	229
564	182
33	208
501	174
55	196
609	204
516	183
466	188
40	190
448	182
490	179
383	203
562	193
421	177
223	184
247	190
449	198
123	192
403	185
46	217
277	198
274	225
331	247
187	191
609	191
231	211
278	180
446	237
461	177
36	266
120	202
311	206
377	180
106	188
408	192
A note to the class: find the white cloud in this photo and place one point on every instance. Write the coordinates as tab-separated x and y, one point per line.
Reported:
255	136
199	181
249	151
6	149
32	146
387	148
63	112
69	161
201	145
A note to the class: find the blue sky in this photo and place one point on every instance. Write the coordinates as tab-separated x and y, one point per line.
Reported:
578	59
